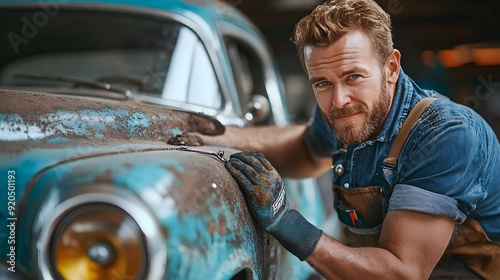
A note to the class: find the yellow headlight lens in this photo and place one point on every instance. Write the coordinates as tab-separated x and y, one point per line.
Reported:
99	242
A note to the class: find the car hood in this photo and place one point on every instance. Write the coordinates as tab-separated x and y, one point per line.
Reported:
39	130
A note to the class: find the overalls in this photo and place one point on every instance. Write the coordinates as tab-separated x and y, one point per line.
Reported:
362	212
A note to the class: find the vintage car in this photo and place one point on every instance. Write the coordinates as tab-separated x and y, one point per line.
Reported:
103	174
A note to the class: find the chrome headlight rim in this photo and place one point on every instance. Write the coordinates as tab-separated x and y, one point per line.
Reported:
62	204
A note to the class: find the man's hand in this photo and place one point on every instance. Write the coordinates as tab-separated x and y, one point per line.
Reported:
266	199
262	186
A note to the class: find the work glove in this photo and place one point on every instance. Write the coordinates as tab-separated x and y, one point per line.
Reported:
265	194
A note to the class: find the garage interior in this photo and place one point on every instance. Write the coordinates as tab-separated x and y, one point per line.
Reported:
450	46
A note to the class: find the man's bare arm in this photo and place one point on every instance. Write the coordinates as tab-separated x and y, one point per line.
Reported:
283	146
411	244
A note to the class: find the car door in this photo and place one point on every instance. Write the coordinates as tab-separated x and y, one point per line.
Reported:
262	99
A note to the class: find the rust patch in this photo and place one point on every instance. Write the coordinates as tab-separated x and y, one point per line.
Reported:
211	227
188	139
222	224
261	197
105	177
219	227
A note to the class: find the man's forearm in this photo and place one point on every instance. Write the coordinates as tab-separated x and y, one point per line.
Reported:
335	260
411	244
283	146
248	138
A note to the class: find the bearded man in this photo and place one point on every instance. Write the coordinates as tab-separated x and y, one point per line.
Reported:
424	205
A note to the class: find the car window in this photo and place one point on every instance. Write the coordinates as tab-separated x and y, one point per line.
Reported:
191	77
248	72
144	54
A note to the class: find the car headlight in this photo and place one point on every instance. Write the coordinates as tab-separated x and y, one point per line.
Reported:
101	242
99	232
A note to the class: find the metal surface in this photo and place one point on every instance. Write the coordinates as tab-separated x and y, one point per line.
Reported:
202	232
29	115
203	216
63	147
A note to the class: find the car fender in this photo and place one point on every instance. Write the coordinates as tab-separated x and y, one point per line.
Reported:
206	225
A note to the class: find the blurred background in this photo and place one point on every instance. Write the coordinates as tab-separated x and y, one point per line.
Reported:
450	46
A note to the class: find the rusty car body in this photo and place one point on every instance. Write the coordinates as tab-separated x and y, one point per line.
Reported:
102	176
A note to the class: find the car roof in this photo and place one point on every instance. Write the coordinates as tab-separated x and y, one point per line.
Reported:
204	13
205	9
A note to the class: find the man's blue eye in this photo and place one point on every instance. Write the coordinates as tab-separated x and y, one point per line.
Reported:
323	84
354	76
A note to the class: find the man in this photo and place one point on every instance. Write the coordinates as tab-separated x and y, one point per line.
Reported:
447	171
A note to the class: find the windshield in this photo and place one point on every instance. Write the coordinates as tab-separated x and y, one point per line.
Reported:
145	55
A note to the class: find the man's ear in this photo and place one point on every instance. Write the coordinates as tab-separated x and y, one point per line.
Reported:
393	66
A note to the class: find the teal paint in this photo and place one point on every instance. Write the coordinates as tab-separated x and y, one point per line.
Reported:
197	252
99	136
87	123
57	139
137	122
175	131
139	176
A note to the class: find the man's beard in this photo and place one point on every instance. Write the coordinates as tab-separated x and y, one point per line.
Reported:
351	134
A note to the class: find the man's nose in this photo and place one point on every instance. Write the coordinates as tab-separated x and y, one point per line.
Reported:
341	97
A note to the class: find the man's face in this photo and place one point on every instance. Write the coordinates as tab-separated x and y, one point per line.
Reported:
350	87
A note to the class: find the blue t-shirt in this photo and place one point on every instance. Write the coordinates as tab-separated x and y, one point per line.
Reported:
449	164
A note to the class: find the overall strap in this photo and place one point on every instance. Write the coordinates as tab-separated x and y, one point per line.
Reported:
416	112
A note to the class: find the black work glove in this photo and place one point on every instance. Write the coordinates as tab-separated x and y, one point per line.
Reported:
265	195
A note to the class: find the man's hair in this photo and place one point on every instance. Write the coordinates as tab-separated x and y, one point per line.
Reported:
331	20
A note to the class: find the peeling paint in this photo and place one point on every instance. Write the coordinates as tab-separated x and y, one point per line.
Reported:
137	122
88	123
93	119
175	131
13	128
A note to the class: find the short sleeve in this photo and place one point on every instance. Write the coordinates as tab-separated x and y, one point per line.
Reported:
440	165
